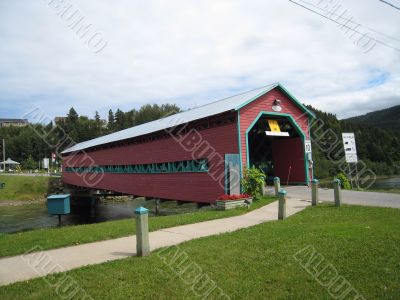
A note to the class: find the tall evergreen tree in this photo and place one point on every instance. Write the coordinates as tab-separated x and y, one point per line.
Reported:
111	121
119	119
72	116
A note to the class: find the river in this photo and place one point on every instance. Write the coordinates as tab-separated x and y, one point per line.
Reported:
33	216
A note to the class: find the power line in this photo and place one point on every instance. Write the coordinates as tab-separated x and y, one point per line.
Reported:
344	25
390	4
350	20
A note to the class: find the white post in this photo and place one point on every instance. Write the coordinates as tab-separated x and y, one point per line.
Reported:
337	192
282	205
314	192
142	232
277	186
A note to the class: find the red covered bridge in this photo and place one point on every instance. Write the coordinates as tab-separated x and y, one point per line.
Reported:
201	153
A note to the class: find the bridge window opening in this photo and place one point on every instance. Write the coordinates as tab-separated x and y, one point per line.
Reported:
197	165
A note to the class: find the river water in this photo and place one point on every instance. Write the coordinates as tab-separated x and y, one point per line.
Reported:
33	216
387	183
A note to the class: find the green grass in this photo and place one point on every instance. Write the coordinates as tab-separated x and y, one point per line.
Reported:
362	243
49	238
23	187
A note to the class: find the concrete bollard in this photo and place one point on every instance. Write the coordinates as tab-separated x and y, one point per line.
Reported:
282	205
314	192
142	231
337	190
277	185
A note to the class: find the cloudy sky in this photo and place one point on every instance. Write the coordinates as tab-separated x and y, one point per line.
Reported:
191	52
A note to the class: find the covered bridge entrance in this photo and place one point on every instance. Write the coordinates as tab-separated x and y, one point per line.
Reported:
280	155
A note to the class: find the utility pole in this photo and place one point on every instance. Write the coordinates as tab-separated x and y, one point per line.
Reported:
4	156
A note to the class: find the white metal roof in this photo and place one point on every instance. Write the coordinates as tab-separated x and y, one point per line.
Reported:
197	113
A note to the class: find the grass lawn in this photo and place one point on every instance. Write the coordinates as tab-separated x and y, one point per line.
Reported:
49	238
23	187
360	243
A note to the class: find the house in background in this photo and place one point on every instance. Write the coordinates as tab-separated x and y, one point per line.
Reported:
59	120
13	122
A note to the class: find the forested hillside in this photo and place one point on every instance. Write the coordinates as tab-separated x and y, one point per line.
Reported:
388	118
378	148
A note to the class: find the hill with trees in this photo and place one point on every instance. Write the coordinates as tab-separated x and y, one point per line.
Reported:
377	147
388	118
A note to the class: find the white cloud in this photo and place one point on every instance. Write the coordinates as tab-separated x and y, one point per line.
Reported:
192	52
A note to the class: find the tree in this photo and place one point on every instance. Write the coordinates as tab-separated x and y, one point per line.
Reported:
72	116
119	120
110	124
97	117
29	163
97	125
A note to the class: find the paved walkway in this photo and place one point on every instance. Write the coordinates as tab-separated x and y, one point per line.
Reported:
37	264
348	197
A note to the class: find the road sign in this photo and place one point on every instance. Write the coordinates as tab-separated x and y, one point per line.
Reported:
275	129
45	163
307	146
350	150
273	124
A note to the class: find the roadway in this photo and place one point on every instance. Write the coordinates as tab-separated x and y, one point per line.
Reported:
348	197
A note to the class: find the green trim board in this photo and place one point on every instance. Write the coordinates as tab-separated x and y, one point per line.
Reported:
191	166
309	137
283	89
240	150
257	96
296	101
293	122
240	144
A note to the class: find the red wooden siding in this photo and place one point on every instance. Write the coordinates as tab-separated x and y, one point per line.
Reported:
250	112
199	187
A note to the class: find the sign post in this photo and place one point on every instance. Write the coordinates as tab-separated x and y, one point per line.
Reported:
46	164
308	151
350	152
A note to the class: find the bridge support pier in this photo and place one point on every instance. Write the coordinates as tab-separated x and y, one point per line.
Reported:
157	206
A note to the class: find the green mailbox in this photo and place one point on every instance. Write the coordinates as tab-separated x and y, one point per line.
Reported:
58	204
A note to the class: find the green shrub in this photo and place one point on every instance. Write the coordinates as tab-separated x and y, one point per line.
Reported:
253	182
345	183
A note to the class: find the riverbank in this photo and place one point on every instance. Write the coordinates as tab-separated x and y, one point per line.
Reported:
24	188
21	202
50	238
356	245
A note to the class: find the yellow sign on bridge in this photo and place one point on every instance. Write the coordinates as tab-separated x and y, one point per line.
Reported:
274	126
